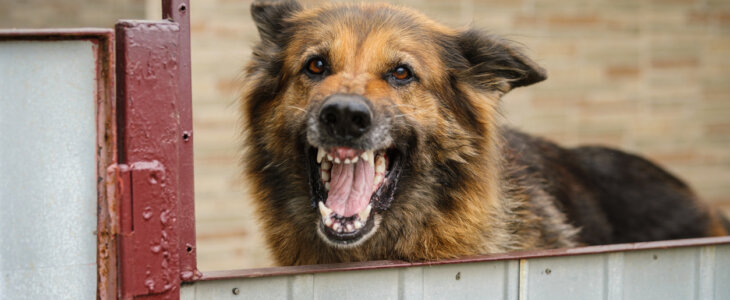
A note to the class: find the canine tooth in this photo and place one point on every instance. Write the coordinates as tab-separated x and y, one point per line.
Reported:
327	186
377	180
326	165
350	228
328	222
320	154
380	164
337	160
354	160
325	176
329	157
358	224
324	210
365	155
365	213
347	161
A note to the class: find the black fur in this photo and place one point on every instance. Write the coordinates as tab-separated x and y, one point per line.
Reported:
612	196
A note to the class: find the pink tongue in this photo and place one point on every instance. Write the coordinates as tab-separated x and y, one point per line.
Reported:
351	186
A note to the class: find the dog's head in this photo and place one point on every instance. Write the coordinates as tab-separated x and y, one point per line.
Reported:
369	112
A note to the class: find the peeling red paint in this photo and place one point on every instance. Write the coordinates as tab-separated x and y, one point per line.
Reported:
149	179
179	12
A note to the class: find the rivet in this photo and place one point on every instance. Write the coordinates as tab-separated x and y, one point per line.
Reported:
548	271
458	275
236	291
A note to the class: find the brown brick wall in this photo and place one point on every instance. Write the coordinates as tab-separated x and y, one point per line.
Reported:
648	76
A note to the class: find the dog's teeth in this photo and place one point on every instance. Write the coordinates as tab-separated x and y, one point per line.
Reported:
328	222
380	165
370	158
358	224
347	161
329	157
365	155
324	210
354	160
377	180
320	154
327	186
350	228
337	160
326	165
325	176
336	226
365	213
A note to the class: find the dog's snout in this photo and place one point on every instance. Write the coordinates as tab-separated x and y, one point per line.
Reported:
345	115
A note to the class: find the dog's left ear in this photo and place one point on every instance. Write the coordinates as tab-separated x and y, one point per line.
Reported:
494	62
270	16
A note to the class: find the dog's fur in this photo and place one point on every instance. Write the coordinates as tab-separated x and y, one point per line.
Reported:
463	184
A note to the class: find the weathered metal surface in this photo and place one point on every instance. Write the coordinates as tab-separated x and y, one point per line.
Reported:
48	158
689	269
149	133
179	12
371	265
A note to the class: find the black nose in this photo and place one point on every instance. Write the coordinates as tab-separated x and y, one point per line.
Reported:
345	115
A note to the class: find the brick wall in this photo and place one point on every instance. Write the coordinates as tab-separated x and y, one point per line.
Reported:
648	76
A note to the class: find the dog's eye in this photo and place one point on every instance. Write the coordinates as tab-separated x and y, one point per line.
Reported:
316	66
400	75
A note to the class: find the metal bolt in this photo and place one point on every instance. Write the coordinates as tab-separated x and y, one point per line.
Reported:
236	291
458	275
548	271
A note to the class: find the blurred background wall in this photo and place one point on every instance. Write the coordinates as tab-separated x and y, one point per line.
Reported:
648	76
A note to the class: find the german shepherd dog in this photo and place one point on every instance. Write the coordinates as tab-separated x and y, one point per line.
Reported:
373	133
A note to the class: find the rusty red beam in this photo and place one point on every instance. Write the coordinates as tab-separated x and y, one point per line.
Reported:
148	147
178	11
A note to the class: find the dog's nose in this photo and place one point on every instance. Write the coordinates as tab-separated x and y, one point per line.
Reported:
345	115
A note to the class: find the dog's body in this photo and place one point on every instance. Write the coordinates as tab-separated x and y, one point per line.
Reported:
372	133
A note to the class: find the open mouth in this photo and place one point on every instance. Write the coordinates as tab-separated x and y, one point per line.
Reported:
350	187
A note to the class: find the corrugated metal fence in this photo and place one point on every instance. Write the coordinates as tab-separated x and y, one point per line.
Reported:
695	272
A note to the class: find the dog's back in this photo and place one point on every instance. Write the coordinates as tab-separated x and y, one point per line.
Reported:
612	196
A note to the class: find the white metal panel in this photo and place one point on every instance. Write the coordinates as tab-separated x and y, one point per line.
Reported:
572	277
467	281
661	274
48	196
374	284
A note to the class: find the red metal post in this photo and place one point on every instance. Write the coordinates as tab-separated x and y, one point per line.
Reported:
179	12
149	137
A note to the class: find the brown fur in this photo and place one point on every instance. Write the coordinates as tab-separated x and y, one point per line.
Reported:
468	186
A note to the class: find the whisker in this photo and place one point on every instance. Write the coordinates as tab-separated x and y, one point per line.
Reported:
297	108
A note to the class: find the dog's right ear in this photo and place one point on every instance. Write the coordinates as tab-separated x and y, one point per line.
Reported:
494	62
270	16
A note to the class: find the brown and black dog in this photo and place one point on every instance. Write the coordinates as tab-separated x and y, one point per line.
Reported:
372	133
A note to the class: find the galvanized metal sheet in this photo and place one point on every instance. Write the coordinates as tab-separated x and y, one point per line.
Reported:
48	194
579	277
698	272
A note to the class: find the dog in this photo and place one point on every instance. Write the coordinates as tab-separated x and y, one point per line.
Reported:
373	133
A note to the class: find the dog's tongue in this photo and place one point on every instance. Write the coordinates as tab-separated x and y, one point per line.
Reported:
351	186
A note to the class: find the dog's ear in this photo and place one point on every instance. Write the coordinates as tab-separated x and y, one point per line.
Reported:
270	15
494	62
